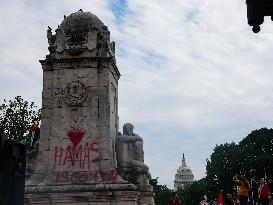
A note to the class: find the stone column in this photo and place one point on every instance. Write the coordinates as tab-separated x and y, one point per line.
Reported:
74	161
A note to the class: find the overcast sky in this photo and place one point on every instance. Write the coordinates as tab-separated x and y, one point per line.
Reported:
193	73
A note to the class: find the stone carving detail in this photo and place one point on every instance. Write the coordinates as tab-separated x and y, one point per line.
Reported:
73	36
103	43
79	188
75	42
91	91
51	40
78	154
31	159
75	93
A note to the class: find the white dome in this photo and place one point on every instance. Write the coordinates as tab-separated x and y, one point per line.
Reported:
184	175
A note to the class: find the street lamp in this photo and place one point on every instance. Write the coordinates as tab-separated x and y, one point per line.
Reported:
256	11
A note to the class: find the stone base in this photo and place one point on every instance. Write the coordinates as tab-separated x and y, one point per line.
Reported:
104	194
146	194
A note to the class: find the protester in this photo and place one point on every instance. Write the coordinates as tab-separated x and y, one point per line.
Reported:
253	196
270	184
210	197
230	200
214	200
264	192
244	187
236	200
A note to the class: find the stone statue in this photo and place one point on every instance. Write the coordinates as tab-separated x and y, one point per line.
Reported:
130	157
51	40
130	154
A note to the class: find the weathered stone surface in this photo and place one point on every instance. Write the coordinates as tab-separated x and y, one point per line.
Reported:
129	150
75	161
130	157
96	195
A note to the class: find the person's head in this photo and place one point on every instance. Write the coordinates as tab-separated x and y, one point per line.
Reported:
229	196
128	129
243	178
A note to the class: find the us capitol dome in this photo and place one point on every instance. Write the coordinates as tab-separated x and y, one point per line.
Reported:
184	175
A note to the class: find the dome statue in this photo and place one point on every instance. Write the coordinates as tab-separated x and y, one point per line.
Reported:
184	175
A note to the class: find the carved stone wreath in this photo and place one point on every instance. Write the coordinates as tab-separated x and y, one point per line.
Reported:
75	93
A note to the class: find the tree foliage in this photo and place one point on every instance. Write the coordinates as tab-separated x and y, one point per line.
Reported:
189	195
192	194
222	166
255	152
162	192
17	117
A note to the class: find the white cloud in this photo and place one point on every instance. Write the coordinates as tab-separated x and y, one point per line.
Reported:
193	73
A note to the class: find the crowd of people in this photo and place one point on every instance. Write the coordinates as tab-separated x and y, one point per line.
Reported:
247	192
253	191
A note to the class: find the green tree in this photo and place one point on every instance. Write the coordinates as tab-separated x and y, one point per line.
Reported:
257	152
162	192
227	160
221	167
17	117
192	194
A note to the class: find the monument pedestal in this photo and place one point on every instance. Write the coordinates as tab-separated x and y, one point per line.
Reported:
102	194
146	194
76	162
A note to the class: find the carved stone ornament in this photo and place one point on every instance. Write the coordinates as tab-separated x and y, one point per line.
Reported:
75	93
76	49
79	188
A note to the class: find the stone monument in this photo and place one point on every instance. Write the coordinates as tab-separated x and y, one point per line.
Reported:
130	159
74	162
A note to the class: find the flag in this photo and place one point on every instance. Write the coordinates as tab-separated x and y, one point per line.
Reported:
220	198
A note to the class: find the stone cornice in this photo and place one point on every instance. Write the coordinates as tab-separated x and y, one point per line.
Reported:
48	64
78	188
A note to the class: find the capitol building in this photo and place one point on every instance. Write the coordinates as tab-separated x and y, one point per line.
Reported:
183	176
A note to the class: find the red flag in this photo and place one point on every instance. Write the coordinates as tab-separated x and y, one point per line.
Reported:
220	198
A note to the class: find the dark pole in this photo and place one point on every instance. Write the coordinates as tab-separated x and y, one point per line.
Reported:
256	11
12	171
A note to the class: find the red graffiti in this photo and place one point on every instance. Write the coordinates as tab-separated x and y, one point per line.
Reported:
75	136
85	177
82	156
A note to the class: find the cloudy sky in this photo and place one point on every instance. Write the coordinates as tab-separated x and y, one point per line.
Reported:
193	73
